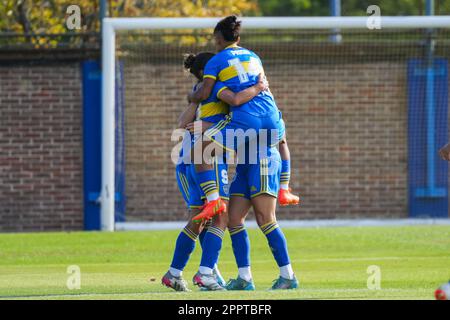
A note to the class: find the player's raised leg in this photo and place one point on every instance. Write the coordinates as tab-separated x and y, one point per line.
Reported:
285	197
206	176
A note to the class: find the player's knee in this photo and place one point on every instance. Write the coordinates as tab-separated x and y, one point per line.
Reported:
235	221
195	227
263	216
221	221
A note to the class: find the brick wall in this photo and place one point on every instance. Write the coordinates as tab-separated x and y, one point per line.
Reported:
152	107
40	147
346	126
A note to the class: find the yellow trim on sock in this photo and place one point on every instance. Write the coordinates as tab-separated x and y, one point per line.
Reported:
271	229
232	233
266	224
186	233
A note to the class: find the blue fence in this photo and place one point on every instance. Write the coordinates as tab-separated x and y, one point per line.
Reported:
427	131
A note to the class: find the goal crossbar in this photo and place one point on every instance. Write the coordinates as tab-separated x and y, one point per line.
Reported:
280	22
110	25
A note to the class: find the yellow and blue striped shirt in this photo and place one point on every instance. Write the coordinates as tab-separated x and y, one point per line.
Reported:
238	69
213	109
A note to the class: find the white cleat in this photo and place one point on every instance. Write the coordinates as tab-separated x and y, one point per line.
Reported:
207	281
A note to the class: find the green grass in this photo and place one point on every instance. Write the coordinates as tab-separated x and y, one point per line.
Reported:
331	263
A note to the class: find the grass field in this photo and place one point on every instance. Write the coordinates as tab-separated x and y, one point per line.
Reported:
331	263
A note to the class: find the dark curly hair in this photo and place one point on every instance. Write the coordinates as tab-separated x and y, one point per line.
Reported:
229	27
197	62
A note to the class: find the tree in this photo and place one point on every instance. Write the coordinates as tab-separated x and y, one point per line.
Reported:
181	8
32	18
294	7
349	7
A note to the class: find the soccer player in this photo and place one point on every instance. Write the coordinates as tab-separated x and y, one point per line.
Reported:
238	69
255	186
210	111
444	152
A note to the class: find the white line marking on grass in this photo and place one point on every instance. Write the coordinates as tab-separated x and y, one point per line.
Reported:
184	295
251	224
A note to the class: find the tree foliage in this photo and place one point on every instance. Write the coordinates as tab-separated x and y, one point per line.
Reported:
48	16
348	7
31	18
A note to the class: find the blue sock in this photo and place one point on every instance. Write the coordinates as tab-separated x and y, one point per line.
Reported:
211	247
277	242
201	237
241	245
285	171
207	181
184	246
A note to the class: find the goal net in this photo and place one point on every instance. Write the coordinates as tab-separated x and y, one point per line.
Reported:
365	113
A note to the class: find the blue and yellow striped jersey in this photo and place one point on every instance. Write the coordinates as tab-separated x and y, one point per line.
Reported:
213	109
238	69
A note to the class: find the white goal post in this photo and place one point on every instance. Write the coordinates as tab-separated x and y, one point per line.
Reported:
110	25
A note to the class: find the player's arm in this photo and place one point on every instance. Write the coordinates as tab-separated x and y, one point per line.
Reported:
445	152
239	98
210	75
187	116
203	91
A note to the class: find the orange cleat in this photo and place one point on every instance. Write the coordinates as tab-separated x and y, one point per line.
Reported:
286	198
210	210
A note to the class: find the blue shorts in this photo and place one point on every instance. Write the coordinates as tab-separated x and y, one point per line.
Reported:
263	177
240	128
190	188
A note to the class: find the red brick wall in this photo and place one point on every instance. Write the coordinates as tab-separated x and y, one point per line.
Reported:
346	126
40	147
152	107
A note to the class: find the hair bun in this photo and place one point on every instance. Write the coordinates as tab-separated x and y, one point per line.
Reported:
235	25
189	60
229	27
232	18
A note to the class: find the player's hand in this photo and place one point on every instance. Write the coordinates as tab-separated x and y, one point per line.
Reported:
445	152
262	84
198	125
196	87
